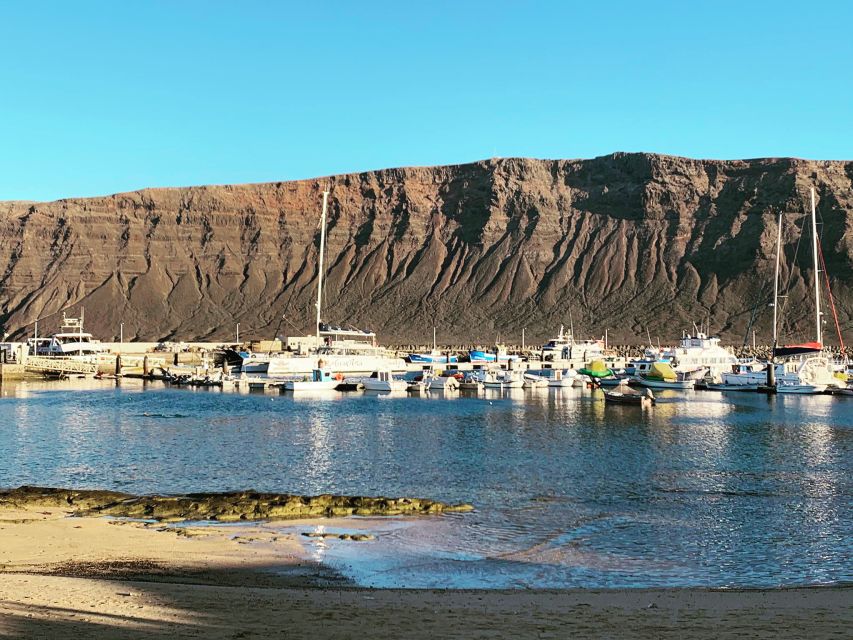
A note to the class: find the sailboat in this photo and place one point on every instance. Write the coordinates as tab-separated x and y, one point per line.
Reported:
804	369
340	349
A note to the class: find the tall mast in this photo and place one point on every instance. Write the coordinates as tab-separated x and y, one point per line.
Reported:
776	281
322	251
816	276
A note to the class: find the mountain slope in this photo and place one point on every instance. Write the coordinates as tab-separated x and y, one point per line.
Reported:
627	242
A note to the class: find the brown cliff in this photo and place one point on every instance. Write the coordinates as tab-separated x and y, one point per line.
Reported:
626	242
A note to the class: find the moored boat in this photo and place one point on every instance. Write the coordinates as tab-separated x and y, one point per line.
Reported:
625	395
321	380
532	381
383	381
662	376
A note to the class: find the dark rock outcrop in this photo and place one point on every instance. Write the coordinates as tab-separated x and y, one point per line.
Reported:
223	507
625	242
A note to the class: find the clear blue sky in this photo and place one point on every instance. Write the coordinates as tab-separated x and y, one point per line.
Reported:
99	97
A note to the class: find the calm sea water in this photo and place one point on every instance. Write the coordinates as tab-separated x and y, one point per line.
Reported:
704	489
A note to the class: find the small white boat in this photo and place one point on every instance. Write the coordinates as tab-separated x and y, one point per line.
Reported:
471	382
383	381
624	395
805	389
442	383
532	381
503	380
321	380
254	363
581	380
715	386
613	382
563	378
654	383
417	387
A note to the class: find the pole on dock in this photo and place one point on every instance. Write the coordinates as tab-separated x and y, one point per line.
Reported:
118	364
145	371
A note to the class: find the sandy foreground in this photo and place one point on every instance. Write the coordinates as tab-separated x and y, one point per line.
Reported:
96	578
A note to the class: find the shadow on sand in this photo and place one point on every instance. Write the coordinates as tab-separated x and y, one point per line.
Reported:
144	600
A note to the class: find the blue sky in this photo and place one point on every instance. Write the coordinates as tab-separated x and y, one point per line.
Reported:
100	97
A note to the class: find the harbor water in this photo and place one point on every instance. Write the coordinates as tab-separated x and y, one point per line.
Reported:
704	489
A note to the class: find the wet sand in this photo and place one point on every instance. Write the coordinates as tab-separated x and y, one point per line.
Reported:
95	578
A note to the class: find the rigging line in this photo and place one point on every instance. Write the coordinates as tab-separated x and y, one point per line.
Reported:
759	301
787	289
831	298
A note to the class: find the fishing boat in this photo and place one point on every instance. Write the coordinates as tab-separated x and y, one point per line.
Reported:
383	381
321	380
663	376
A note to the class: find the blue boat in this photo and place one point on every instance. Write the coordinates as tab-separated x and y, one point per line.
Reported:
430	358
476	355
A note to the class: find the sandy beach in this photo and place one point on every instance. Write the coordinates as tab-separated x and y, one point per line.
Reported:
100	578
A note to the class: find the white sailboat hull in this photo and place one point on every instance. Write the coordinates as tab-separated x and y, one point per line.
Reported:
293	365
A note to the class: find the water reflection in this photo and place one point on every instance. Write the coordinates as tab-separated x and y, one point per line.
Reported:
702	489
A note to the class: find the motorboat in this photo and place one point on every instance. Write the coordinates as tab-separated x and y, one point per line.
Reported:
383	381
71	341
498	354
417	387
503	380
663	376
442	383
625	395
720	386
254	363
471	382
805	389
562	378
533	381
321	380
564	348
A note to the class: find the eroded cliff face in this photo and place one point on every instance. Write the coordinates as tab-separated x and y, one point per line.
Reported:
627	242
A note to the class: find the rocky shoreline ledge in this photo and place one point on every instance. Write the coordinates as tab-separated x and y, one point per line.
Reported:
222	507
